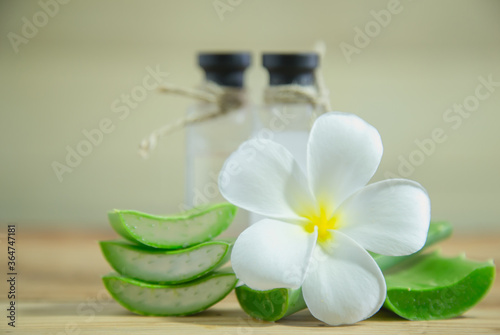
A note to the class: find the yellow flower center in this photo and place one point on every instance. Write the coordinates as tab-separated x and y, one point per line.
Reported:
323	222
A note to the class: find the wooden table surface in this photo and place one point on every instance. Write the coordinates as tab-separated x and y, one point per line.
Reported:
59	291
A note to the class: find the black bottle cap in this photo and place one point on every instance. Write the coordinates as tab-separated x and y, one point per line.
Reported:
286	69
225	69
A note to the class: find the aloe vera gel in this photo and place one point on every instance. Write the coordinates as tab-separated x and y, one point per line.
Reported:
169	265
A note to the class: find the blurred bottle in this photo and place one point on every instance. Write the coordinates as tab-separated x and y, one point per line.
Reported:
286	117
210	142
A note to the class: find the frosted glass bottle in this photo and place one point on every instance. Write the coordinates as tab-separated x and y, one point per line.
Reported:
209	143
288	123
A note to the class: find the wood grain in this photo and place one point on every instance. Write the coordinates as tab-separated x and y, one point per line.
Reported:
60	292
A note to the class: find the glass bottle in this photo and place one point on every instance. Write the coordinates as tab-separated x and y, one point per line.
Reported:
288	123
210	142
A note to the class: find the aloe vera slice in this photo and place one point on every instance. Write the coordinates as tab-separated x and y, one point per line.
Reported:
433	287
275	304
166	267
176	231
270	305
170	300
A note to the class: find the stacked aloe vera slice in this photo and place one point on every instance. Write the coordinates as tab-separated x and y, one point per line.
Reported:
170	265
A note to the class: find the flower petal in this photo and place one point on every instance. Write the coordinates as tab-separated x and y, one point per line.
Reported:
343	285
390	217
343	154
272	254
263	177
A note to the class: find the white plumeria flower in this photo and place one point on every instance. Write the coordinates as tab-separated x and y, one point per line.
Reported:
320	221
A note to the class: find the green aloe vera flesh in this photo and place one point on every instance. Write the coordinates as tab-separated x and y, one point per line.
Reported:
170	300
176	231
275	304
270	305
434	287
166	266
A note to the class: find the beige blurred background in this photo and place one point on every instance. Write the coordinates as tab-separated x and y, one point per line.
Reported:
65	77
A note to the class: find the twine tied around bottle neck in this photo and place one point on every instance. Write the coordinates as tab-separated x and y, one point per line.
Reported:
317	95
223	100
296	94
227	99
